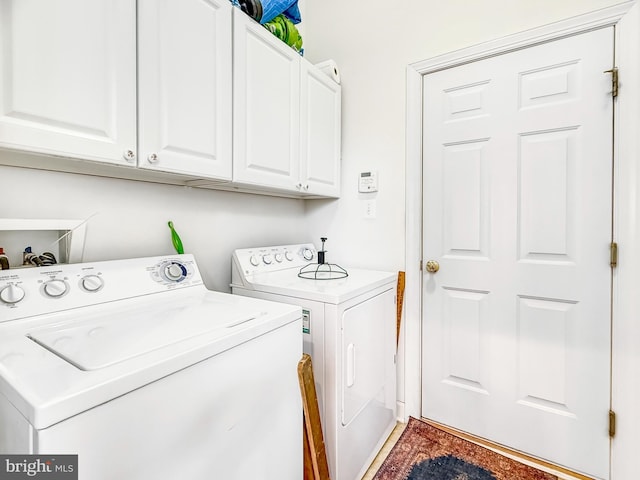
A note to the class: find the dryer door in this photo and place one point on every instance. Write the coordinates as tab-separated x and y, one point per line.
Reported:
368	348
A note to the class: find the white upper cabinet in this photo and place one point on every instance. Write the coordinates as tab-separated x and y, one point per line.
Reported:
68	78
191	92
184	87
320	114
286	116
266	107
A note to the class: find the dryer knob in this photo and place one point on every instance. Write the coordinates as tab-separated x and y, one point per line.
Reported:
11	294
254	260
289	256
307	254
267	259
278	257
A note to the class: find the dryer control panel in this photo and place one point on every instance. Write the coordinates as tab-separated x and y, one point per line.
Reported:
250	261
25	292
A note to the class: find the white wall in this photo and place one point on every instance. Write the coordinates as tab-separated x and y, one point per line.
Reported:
131	217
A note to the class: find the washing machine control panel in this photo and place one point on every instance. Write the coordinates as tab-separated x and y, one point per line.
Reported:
25	292
271	259
173	271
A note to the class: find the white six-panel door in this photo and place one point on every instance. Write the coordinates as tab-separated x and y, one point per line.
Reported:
517	212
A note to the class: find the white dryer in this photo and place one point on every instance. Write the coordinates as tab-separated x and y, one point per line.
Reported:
145	374
349	329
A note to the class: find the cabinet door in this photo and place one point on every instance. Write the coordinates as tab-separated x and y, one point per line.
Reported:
68	78
266	107
320	132
184	86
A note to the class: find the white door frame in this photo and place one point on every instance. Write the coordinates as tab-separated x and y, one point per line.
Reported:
626	328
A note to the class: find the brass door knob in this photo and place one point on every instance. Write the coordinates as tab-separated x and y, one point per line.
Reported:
433	266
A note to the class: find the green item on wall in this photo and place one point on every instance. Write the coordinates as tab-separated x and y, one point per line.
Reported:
175	239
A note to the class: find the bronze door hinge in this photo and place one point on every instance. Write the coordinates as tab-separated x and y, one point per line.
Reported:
613	260
615	84
612	423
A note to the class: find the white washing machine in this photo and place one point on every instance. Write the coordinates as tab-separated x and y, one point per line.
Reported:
349	329
145	374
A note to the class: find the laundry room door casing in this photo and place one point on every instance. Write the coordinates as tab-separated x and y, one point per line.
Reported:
517	165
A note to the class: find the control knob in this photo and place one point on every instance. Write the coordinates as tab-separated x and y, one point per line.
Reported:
278	257
267	259
12	294
173	271
92	283
307	254
254	260
55	288
288	256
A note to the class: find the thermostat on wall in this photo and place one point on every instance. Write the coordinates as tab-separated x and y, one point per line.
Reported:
368	182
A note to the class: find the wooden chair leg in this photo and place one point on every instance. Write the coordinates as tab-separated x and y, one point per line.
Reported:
315	454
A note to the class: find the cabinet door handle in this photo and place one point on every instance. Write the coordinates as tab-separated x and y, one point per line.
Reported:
299	186
152	158
306	187
129	156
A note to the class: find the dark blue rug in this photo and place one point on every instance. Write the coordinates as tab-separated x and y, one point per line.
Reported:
448	467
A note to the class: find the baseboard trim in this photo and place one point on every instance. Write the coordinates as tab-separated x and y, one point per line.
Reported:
400	412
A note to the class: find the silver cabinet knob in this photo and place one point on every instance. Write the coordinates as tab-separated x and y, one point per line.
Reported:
152	158
129	156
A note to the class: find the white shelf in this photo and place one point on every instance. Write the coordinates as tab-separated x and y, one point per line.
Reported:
62	237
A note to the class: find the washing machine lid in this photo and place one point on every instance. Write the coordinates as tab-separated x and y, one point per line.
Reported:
334	291
98	341
55	366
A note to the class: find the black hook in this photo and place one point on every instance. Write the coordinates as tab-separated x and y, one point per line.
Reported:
322	252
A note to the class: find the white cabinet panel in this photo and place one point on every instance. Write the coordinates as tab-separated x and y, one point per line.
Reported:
184	94
320	113
286	116
68	77
266	107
